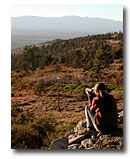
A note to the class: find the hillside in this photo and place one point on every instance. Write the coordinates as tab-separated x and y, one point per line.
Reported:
97	55
48	83
30	30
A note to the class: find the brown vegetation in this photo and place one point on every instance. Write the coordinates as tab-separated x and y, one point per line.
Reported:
37	93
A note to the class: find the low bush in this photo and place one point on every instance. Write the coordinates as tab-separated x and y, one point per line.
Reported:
52	88
70	87
57	68
29	133
62	128
114	87
83	86
39	87
82	95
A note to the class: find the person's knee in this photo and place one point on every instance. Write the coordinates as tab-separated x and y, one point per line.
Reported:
87	107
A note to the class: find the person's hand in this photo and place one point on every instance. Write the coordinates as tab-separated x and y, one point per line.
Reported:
88	91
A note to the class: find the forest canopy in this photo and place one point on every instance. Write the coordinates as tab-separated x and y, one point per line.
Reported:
93	53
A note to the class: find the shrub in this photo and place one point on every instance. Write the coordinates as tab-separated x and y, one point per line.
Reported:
83	86
52	88
79	88
82	95
70	87
32	134
62	128
50	70
39	87
114	87
57	68
24	137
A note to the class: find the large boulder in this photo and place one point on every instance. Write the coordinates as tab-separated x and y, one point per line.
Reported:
74	146
61	143
81	138
87	143
77	139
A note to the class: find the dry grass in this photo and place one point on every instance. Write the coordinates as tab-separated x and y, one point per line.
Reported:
46	103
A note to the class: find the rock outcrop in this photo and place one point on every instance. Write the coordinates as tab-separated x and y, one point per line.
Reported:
61	143
80	138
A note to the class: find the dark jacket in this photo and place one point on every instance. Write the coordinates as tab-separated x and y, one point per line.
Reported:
105	110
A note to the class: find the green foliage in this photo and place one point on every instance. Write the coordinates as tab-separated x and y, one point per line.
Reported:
80	91
69	87
30	58
87	52
114	87
52	87
80	87
103	58
94	54
15	62
62	128
50	70
117	53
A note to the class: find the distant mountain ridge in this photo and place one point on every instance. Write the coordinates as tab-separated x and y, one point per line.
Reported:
32	29
65	23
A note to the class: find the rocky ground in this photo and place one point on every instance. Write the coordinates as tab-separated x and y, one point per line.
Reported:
80	138
72	111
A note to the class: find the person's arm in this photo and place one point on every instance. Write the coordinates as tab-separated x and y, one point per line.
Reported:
89	101
93	106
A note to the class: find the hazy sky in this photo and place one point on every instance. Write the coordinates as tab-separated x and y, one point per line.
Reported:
109	11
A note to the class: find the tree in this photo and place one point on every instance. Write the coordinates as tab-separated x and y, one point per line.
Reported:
103	57
15	62
76	62
30	58
62	58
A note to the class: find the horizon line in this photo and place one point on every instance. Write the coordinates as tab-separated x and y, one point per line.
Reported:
64	16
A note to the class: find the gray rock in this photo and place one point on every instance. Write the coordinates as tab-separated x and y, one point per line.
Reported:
71	136
93	138
76	139
61	143
120	117
81	147
80	128
81	125
87	143
74	146
75	130
84	131
69	133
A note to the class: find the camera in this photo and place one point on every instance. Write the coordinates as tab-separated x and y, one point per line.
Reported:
90	92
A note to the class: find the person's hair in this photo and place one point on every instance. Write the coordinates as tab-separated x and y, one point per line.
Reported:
101	88
104	98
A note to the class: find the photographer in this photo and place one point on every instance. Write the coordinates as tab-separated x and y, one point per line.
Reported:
101	114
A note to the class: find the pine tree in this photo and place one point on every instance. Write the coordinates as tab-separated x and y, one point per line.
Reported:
102	58
30	58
